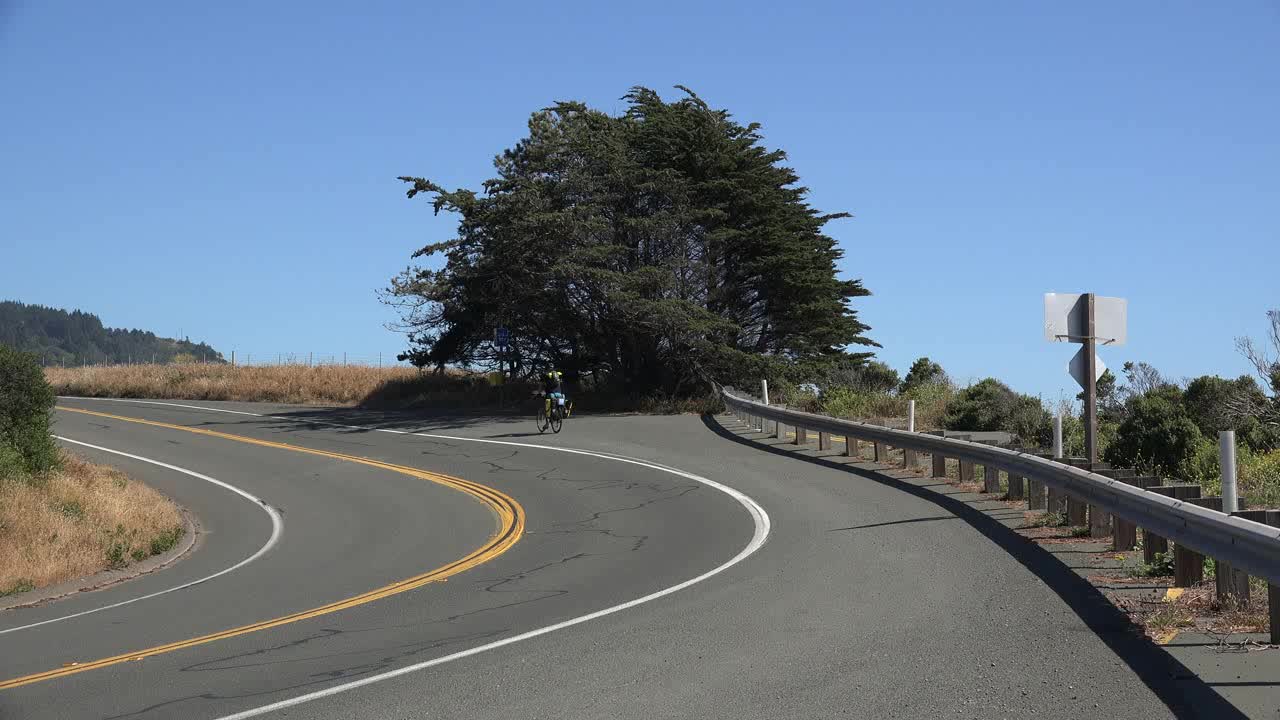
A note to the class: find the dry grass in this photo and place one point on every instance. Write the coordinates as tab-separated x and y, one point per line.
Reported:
77	521
293	384
1198	609
394	388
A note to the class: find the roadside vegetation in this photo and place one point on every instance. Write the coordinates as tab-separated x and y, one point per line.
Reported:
62	517
345	385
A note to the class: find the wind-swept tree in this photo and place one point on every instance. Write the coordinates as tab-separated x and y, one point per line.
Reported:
661	250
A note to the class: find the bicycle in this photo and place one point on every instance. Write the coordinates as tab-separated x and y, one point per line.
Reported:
559	411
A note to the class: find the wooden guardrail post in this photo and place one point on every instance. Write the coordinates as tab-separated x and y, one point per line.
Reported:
881	451
802	436
1124	534
1017	484
824	440
1273	592
939	465
909	459
1188	565
852	448
1036	491
990	479
1101	521
1233	583
1077	509
966	471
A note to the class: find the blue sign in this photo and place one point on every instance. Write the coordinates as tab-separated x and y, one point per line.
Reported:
501	337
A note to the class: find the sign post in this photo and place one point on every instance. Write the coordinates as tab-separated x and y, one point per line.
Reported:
1086	319
501	338
1091	383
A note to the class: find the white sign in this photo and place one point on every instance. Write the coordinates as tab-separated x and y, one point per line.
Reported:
1077	367
1066	318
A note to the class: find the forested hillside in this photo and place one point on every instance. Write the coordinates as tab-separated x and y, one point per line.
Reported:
59	337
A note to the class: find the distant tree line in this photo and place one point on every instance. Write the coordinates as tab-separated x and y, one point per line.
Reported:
58	337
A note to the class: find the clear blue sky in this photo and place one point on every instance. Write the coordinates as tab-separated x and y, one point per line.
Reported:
228	169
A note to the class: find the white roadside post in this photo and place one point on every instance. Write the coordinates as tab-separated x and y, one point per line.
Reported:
1057	436
1227	459
1232	584
911	416
764	397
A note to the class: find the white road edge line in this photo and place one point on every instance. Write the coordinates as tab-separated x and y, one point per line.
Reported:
759	517
277	528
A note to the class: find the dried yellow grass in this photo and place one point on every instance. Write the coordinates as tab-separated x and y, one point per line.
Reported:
77	521
345	385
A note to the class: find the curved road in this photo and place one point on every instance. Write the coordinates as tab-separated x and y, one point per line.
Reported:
869	598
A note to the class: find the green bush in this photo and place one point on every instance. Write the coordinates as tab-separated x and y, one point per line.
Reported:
992	405
1259	478
26	411
1157	433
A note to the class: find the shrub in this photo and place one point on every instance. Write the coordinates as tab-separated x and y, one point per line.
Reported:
26	410
1259	478
992	405
1157	433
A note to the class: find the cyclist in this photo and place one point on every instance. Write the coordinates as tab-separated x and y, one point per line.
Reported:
552	387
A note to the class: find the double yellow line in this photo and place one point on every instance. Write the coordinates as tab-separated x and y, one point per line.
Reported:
510	517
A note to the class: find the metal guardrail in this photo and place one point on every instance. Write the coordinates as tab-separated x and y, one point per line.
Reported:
1246	545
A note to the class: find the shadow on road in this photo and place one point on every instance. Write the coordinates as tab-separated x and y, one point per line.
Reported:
1184	693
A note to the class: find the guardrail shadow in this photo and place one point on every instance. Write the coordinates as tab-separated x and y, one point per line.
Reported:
1184	693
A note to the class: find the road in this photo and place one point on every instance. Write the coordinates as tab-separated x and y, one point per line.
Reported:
650	567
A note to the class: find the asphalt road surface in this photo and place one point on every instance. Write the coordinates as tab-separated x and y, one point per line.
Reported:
634	567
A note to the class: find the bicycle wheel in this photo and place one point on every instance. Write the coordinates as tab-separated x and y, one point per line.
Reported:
542	419
557	419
